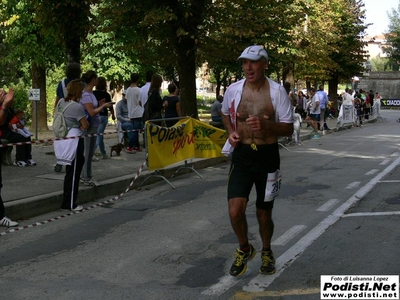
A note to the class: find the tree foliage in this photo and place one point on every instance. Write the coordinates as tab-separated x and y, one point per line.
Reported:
306	39
393	38
164	35
66	22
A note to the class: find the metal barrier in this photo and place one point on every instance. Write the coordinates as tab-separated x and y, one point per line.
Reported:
157	173
348	115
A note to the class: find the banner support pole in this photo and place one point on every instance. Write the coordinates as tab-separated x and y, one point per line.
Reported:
186	166
157	174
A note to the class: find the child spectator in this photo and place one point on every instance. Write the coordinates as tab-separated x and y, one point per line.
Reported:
18	123
359	109
23	155
297	120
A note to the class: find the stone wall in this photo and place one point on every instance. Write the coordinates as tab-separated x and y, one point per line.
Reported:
387	84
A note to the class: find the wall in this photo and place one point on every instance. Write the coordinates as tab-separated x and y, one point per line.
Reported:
387	84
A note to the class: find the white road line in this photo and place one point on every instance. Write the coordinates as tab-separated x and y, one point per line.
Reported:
288	235
353	185
261	282
385	162
372	214
328	205
389	181
224	284
372	172
394	154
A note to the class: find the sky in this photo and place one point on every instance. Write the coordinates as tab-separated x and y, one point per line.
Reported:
376	12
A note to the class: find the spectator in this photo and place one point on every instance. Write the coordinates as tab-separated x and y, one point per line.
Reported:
23	156
340	99
301	107
101	93
172	105
216	114
135	112
323	98
348	97
69	152
366	104
297	120
314	116
92	109
155	103
6	100
359	110
371	97
18	123
123	119
72	71
144	90
143	96
378	98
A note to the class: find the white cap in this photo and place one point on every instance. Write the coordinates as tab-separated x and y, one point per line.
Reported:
254	53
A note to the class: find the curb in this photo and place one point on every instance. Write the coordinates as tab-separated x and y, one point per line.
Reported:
33	206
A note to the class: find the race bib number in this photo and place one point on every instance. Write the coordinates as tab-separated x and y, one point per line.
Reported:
273	186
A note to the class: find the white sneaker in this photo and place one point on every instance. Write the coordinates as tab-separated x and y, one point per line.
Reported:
7	222
31	162
92	182
78	208
20	163
95	159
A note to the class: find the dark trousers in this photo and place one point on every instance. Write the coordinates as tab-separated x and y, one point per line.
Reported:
136	124
72	178
23	152
2	210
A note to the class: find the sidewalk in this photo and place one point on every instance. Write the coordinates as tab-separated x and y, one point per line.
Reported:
35	190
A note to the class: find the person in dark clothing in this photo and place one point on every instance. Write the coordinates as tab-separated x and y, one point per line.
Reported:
172	105
23	156
371	97
5	102
101	93
154	103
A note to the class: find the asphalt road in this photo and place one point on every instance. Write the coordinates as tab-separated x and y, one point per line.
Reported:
338	214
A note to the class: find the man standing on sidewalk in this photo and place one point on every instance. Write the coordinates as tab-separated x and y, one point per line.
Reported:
256	111
135	110
144	90
323	104
314	116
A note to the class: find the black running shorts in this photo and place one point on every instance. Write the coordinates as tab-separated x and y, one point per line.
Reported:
255	167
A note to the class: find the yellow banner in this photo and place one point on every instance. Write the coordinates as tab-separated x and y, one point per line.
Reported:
188	138
208	140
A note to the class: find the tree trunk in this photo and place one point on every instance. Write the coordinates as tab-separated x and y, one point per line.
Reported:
332	91
308	84
288	74
72	37
187	77
72	44
217	75
39	82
